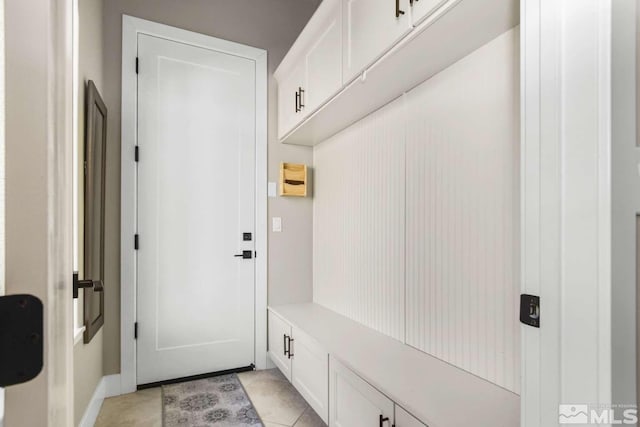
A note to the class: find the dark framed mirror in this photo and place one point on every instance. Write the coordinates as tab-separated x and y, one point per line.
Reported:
95	161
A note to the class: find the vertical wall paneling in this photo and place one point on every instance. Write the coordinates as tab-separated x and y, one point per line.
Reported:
462	213
358	239
434	176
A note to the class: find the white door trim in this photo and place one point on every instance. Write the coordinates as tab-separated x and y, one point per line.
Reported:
566	205
131	27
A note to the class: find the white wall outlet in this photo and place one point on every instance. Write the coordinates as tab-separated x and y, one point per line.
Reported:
276	224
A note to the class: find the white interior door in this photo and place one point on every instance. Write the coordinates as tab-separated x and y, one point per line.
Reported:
196	195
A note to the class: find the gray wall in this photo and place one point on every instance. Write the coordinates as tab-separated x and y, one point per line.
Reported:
87	358
625	202
269	24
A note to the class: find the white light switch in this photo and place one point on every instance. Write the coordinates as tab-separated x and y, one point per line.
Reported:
272	189
276	225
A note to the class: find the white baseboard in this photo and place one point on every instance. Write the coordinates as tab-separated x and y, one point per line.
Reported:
112	385
108	386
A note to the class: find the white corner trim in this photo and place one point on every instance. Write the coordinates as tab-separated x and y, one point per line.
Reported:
78	334
131	28
108	386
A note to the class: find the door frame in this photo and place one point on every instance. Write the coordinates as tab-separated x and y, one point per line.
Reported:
38	129
131	27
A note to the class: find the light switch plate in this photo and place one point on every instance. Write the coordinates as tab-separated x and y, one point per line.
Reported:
276	224
272	189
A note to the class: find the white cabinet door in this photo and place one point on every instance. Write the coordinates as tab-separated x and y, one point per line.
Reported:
420	9
279	339
355	403
324	57
370	29
405	419
310	372
290	99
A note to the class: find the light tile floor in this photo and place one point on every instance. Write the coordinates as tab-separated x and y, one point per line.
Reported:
276	400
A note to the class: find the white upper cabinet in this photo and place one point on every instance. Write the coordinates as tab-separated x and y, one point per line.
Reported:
397	43
312	71
420	9
291	98
280	344
323	59
370	28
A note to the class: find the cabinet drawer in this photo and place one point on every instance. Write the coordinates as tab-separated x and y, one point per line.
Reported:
405	419
310	372
353	402
279	339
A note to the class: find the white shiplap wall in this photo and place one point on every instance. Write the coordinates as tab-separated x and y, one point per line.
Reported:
452	144
358	250
462	213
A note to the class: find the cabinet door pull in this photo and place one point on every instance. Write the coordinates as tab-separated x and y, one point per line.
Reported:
398	11
290	341
284	344
301	98
297	102
384	419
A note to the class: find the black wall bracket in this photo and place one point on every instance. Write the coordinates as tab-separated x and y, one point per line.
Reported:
21	348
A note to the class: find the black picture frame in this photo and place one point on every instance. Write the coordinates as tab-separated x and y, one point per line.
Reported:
95	162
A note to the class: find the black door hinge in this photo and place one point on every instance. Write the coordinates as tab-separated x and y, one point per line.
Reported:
530	310
135	330
137	65
136	154
136	242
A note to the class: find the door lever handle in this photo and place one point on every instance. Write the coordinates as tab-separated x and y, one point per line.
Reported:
245	255
97	285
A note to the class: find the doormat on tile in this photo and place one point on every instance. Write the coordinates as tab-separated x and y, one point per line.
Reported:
217	401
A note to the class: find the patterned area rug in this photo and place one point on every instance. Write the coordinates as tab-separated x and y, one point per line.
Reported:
217	401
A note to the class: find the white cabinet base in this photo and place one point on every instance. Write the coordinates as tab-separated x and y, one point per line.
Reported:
353	402
279	330
310	374
405	419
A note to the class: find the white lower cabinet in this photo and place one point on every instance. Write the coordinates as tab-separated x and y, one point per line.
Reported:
310	372
337	394
355	403
279	343
405	419
421	9
301	359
